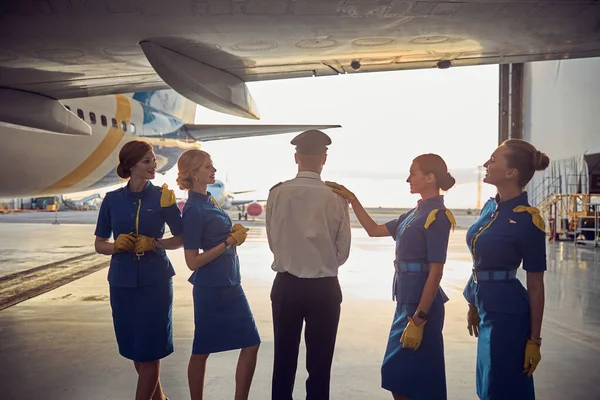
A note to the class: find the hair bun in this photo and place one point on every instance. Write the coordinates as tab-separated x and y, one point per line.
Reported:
446	182
540	161
184	183
123	172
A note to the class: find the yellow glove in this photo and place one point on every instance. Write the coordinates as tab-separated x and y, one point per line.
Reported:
239	236
532	357
342	191
144	243
473	321
124	242
412	335
237	227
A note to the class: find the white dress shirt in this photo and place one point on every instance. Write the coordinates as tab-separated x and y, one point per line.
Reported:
308	227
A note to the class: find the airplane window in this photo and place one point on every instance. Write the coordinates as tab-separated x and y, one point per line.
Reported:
132	128
68	108
114	123
103	120
92	117
124	126
80	113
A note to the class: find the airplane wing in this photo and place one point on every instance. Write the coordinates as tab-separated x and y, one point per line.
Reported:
208	50
205	133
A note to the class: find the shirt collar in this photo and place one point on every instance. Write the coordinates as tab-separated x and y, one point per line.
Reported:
308	174
203	198
433	202
512	203
137	195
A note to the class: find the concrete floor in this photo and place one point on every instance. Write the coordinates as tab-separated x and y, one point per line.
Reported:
61	345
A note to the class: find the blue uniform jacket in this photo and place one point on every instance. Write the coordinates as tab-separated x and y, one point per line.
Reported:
118	214
421	236
505	235
206	226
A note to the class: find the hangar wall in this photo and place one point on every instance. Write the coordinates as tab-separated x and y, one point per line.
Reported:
561	101
561	117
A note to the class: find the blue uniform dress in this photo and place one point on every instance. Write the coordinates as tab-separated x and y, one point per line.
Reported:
421	238
222	316
505	234
141	289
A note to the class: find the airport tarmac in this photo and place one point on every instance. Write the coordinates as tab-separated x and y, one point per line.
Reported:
60	344
463	220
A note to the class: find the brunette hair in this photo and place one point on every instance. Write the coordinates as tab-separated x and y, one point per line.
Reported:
130	155
434	164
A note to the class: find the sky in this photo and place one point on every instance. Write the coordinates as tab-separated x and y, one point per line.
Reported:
387	120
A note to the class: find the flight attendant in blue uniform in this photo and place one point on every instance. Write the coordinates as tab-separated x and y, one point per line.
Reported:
413	366
140	274
222	316
507	318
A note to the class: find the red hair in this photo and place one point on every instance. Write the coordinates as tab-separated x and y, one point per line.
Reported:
130	155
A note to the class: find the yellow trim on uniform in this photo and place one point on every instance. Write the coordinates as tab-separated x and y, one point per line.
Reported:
480	232
536	218
451	218
167	197
214	202
137	218
430	218
106	147
137	225
432	215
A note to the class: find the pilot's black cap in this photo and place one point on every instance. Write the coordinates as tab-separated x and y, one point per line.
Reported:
311	142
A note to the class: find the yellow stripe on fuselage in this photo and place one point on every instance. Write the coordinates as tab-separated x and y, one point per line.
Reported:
101	153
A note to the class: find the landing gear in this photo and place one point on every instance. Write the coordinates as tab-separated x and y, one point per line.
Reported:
243	214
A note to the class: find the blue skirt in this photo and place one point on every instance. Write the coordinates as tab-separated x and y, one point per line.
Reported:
500	357
417	374
223	320
142	318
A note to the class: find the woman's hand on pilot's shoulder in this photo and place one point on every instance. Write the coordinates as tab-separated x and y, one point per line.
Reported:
342	191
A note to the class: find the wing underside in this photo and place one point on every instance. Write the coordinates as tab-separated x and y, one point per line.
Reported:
205	133
67	50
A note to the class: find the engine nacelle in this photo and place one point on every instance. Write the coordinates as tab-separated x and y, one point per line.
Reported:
210	87
40	112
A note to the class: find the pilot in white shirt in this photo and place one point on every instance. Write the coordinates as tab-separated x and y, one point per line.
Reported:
308	228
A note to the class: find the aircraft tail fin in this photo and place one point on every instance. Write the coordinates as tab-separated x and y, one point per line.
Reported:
169	102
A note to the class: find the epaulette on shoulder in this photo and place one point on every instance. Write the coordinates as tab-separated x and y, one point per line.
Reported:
432	215
274	186
214	201
536	218
451	218
167	196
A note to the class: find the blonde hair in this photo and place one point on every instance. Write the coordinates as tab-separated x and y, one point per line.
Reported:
525	158
188	163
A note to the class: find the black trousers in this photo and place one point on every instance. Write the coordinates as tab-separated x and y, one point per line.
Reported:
318	302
